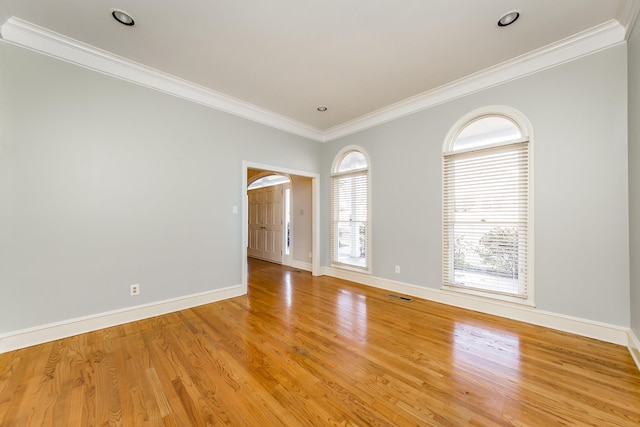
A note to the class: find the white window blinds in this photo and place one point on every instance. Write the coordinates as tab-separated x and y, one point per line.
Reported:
485	219
349	219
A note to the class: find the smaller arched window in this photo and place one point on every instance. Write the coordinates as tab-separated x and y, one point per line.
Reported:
486	206
350	227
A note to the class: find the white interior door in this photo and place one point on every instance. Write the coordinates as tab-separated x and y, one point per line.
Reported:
256	232
266	223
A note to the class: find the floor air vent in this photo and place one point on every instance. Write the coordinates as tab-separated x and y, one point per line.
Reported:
405	299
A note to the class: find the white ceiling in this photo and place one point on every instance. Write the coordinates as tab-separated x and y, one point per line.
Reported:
283	58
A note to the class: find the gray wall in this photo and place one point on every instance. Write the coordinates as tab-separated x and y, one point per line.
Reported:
634	174
104	183
579	117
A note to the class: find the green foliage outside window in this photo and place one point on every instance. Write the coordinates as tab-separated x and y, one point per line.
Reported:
497	251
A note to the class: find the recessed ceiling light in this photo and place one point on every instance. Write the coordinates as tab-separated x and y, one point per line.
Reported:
322	108
508	18
122	17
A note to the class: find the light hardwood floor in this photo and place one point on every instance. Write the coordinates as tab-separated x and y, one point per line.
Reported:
302	351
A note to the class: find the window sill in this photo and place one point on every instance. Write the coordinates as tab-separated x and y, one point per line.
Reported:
519	301
352	269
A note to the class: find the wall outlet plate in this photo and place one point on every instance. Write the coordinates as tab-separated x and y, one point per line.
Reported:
134	289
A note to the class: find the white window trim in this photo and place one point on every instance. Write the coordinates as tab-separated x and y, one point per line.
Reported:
334	166
527	135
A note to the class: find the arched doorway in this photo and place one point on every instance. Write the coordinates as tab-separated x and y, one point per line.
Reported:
305	214
269	225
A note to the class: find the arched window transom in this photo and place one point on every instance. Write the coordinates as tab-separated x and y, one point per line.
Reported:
486	131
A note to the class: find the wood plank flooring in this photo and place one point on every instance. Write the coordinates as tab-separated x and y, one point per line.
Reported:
305	351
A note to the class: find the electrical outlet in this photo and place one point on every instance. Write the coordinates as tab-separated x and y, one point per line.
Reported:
310	255
134	289
397	269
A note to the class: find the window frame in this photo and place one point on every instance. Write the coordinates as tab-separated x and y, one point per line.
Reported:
448	148
340	156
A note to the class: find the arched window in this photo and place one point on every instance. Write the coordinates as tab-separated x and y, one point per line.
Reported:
267	181
487	206
350	228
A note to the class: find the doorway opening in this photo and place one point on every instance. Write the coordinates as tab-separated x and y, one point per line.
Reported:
269	196
280	216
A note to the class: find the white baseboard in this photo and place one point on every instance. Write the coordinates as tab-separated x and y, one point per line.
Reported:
605	332
39	334
587	328
634	347
300	265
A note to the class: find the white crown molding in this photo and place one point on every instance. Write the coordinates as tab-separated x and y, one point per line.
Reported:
600	37
44	333
575	325
627	15
40	39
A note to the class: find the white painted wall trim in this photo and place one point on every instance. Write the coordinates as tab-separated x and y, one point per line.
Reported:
587	328
628	14
634	347
300	265
53	331
600	37
40	39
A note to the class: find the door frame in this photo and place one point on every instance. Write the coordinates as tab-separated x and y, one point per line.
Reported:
315	209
